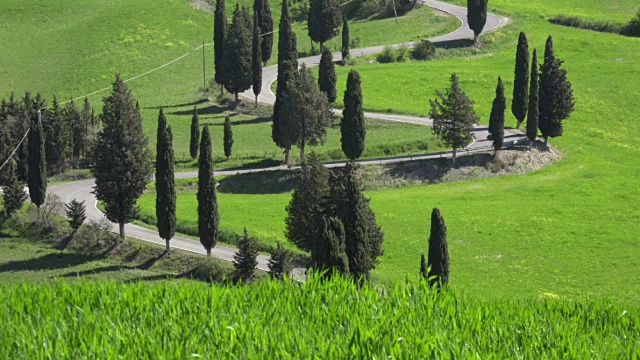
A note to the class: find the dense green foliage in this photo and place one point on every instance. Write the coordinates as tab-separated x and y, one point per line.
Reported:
245	259
57	137
496	119
219	36
76	211
256	59
438	264
332	249
194	140
165	183
346	38
280	262
353	127
262	9
122	166
208	216
228	137
477	16
520	103
532	114
13	195
424	50
327	77
237	52
37	176
324	20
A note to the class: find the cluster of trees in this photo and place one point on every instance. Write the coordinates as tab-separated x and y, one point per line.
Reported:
330	218
194	142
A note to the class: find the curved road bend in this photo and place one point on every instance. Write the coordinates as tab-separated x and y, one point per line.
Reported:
81	190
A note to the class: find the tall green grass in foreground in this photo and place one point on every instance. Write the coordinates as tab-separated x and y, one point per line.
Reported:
312	320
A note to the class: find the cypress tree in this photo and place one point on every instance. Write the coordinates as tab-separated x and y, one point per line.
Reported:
477	17
123	163
496	120
280	263
327	77
165	186
22	163
162	126
23	113
76	211
353	126
256	59
208	217
345	39
520	102
37	176
194	142
453	116
424	272
56	142
532	115
77	140
334	257
237	53
265	24
228	137
88	131
438	251
219	35
13	195
245	259
324	20
555	95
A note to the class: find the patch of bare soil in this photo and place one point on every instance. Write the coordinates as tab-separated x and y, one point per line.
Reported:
202	5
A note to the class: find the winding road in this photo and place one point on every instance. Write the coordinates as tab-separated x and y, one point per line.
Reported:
81	190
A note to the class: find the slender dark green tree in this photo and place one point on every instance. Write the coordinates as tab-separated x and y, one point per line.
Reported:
219	34
90	128
208	217
256	58
245	259
327	77
123	163
346	39
324	20
228	137
76	211
162	126
334	255
280	263
555	95
56	140
453	116
477	17
194	142
265	23
520	103
496	119
304	212
353	126
13	195
438	251
532	114
77	139
37	176
165	186
424	270
237	53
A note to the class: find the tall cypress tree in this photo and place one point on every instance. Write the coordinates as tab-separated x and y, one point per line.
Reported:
162	126
424	269
56	143
245	259
37	176
324	20
208	217
353	126
256	59
228	137
438	251
532	114
123	163
346	39
477	17
23	113
219	34
556	94
327	77
520	102
13	195
194	142
237	53
265	24
333	255
165	183
496	120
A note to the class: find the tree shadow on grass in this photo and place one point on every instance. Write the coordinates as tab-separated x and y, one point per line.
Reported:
258	120
268	182
48	262
454	44
209	110
193	103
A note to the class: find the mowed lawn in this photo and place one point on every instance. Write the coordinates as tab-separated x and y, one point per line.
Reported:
568	230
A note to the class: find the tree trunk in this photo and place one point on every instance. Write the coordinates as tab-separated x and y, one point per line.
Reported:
321	47
209	252
302	153
236	95
546	140
530	145
453	159
168	247
221	89
286	154
475	39
257	101
518	123
122	229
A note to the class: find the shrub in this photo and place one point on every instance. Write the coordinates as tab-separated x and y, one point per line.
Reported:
633	28
354	43
424	50
386	56
403	52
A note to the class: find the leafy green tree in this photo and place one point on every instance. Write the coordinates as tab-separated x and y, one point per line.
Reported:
477	17
327	77
208	217
194	142
245	259
453	116
219	35
13	195
520	103
165	182
237	53
353	125
56	139
306	112
280	263
265	23
256	59
555	95
496	120
324	20
228	137
76	211
346	38
532	114
424	271
438	251
122	165
304	212
37	176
